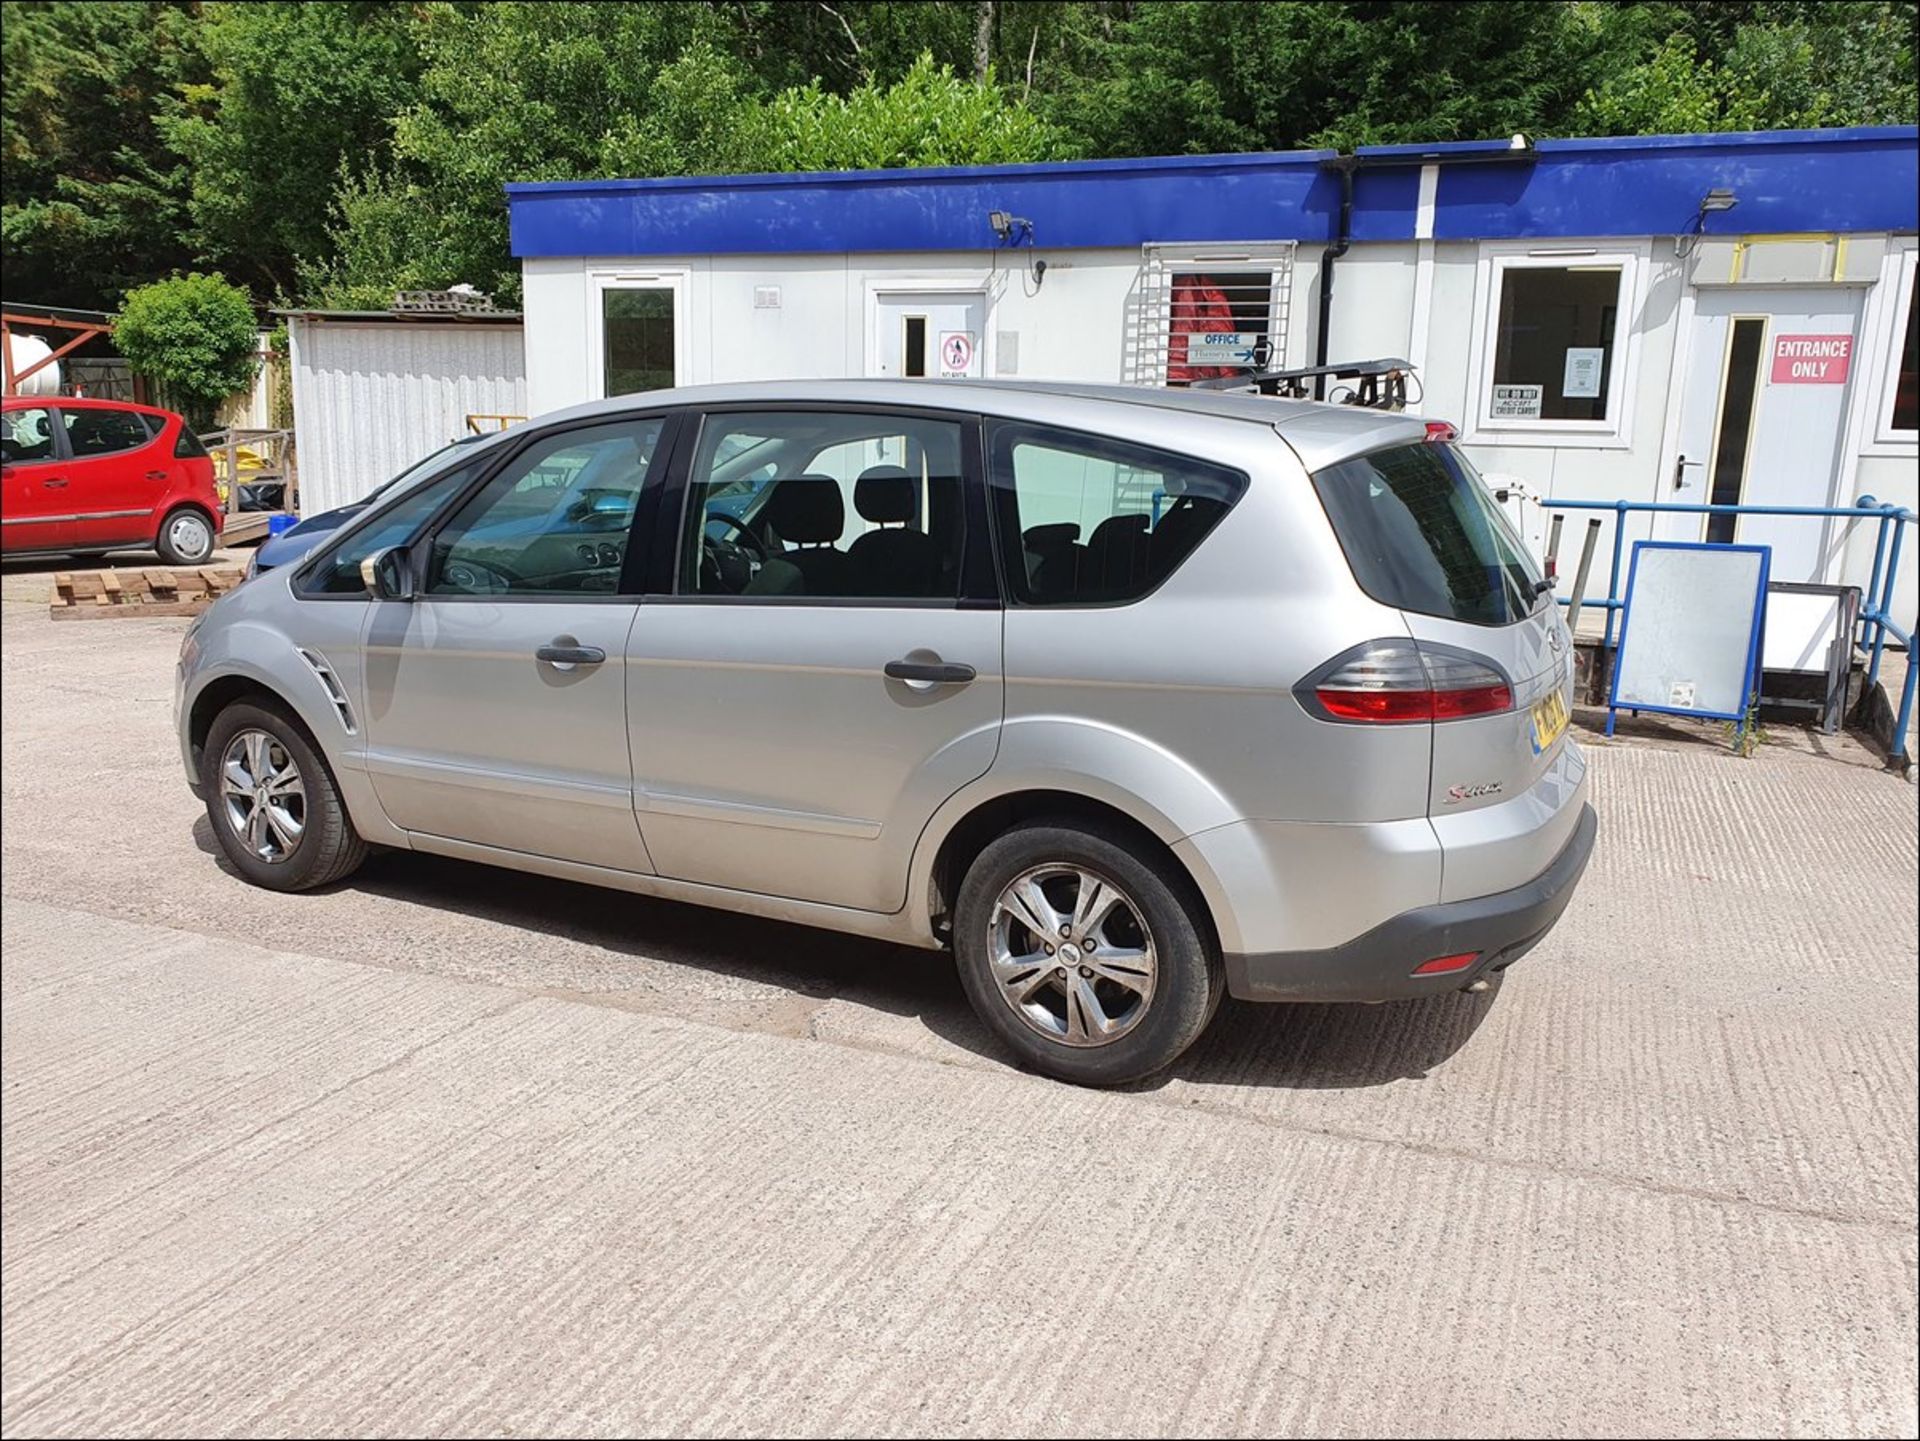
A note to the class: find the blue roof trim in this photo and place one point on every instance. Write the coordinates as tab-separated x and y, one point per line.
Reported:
1784	183
1860	179
1114	203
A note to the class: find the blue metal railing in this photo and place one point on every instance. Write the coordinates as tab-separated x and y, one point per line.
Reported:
1875	620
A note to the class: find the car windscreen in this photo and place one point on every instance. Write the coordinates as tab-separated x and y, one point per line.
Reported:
426	465
1423	534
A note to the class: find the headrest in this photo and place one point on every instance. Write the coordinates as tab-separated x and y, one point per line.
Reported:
884	493
1041	539
1118	530
807	509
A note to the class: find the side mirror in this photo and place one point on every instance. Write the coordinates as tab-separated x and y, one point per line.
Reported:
388	573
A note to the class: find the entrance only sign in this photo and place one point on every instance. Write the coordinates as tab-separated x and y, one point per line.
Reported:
1811	359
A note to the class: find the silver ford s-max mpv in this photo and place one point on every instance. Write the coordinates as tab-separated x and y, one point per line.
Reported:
1132	698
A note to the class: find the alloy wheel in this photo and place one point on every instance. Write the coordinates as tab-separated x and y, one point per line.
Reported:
264	799
1071	955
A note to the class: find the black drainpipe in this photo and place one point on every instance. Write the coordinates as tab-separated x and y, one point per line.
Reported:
1342	243
1345	165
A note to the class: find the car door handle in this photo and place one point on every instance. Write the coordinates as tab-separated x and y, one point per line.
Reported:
54	484
936	672
570	654
156	475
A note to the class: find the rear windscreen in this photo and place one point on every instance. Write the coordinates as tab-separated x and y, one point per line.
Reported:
1422	533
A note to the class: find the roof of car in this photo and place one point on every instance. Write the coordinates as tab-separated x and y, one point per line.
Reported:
81	402
1319	433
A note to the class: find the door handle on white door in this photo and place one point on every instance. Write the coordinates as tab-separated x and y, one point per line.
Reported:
1680	471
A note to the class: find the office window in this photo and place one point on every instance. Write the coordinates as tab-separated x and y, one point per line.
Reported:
1219	325
1555	337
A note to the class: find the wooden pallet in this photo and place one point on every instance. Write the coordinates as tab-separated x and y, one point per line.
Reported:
99	594
242	527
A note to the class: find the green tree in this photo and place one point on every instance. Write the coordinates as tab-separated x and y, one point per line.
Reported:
1672	92
1203	77
1767	66
521	91
387	235
91	198
295	89
700	118
547	92
930	116
343	150
194	332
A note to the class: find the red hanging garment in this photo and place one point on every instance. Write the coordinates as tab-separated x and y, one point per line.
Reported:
1199	307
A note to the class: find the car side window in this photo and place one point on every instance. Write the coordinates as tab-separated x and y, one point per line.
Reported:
1084	520
822	504
26	436
556	519
339	572
103	432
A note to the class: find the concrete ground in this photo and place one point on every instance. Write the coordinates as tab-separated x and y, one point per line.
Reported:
450	1150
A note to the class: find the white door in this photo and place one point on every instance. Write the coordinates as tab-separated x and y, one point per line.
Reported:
936	335
1763	405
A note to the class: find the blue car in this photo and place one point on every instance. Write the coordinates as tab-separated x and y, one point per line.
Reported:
292	545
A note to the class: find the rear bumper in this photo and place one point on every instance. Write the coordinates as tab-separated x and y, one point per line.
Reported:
1378	965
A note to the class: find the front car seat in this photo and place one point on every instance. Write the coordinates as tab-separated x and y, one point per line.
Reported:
807	512
901	561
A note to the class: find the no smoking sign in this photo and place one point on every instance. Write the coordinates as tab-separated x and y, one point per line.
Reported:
956	354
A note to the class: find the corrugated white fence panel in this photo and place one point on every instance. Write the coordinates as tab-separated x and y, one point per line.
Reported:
371	398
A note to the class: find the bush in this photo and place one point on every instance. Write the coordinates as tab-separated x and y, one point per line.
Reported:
196	334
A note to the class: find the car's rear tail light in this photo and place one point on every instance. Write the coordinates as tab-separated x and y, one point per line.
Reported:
1442	430
1397	682
1447	965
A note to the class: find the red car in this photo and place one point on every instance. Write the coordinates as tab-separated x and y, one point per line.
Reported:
94	475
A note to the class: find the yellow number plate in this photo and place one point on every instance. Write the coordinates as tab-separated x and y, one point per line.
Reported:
1549	720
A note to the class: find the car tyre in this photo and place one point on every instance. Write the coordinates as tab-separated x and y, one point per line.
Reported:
273	802
1155	938
185	537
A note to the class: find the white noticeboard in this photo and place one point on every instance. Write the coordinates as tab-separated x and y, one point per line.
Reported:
1516	402
1802	629
1583	372
1689	642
